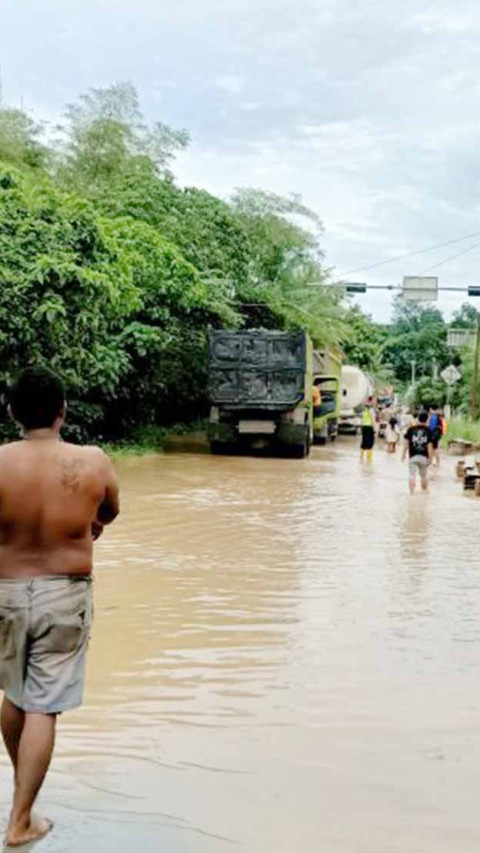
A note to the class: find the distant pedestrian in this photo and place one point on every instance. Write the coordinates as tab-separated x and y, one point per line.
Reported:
368	430
392	435
436	424
419	446
407	418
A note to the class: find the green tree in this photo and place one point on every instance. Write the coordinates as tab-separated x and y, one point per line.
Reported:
427	393
105	302
165	338
105	136
417	334
65	291
277	242
287	286
20	139
465	317
365	340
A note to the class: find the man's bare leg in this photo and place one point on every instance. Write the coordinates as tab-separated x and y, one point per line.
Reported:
11	721
33	759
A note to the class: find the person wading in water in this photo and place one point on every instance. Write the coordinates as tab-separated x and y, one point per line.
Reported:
368	431
55	499
419	447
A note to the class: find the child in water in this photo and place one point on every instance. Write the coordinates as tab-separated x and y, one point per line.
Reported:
393	435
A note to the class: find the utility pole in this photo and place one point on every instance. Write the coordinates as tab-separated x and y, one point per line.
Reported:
473	407
413	365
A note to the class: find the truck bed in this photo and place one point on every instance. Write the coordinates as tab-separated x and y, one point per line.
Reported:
258	369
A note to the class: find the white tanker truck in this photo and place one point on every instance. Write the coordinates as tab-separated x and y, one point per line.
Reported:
356	388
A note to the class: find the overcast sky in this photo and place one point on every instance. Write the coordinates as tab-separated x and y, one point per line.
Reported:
367	108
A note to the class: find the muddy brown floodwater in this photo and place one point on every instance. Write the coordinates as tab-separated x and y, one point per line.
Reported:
285	657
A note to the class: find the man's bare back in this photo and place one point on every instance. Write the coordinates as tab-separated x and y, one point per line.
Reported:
52	495
55	499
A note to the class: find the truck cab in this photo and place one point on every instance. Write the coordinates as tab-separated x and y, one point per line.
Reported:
326	410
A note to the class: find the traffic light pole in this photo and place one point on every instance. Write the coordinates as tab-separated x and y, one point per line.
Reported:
474	405
362	287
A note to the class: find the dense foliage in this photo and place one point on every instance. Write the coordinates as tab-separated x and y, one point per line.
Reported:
112	273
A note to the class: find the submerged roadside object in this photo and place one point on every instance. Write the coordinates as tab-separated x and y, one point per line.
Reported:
460	447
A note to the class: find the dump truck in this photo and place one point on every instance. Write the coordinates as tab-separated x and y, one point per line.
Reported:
327	370
356	388
260	389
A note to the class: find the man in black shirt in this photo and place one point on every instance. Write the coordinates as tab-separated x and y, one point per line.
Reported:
419	446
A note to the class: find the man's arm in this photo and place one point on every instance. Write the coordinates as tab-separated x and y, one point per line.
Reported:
405	445
109	506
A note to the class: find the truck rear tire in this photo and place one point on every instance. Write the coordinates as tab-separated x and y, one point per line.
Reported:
219	448
298	451
301	451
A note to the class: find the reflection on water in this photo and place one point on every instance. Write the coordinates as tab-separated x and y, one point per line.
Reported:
285	657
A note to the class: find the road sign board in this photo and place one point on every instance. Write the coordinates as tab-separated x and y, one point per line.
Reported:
451	375
461	337
418	288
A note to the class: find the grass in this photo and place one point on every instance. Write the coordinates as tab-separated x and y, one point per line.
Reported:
147	440
462	427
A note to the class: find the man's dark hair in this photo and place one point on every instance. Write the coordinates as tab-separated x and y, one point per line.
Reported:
37	398
423	417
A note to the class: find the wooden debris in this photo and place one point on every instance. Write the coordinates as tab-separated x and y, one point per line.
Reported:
460	447
470	479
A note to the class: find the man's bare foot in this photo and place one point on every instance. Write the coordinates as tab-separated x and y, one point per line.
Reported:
36	829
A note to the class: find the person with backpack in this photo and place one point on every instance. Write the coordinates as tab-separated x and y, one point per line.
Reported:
436	426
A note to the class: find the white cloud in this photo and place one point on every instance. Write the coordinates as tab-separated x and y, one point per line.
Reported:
368	109
232	84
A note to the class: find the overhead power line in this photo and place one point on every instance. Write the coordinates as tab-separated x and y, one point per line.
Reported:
451	258
412	254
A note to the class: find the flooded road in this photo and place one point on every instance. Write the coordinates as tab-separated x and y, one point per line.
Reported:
285	657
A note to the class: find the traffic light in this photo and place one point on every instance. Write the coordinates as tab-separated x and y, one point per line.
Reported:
357	287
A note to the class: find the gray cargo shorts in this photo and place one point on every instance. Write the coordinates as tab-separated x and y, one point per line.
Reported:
45	625
420	464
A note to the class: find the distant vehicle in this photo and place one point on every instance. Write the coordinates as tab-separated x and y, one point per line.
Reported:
356	388
260	389
327	370
385	402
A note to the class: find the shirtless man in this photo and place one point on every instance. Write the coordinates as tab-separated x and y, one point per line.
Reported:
55	499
